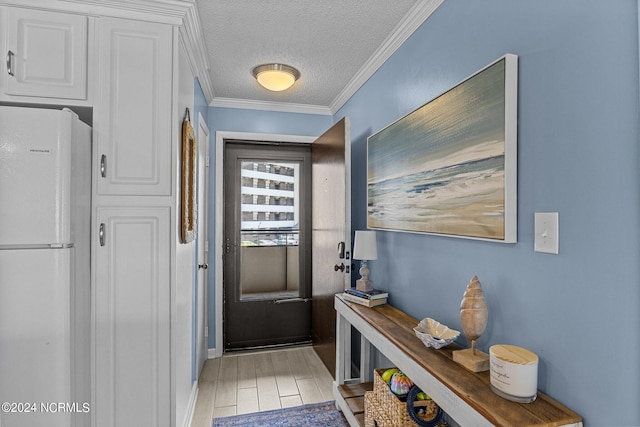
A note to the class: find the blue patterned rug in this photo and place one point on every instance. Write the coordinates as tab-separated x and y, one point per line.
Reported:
318	414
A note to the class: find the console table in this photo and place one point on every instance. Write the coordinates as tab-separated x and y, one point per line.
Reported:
465	396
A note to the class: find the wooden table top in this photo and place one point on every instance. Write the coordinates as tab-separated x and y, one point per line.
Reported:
473	388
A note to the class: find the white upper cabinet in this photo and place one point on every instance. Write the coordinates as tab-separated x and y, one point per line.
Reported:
133	111
46	54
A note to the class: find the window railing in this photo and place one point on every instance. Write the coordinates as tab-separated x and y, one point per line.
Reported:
269	237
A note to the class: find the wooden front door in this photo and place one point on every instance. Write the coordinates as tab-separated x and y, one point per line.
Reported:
331	233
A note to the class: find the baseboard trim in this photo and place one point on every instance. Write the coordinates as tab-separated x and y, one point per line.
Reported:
213	353
193	398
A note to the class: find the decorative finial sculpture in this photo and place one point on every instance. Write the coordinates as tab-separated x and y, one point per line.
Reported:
473	312
473	315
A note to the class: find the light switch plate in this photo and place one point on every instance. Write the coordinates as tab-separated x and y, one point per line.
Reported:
546	232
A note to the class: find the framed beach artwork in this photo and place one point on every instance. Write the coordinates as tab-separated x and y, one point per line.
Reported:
188	181
450	167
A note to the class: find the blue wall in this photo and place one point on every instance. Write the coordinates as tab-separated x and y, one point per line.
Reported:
577	155
240	120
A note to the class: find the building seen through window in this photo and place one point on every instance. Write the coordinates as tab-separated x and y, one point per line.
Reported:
270	203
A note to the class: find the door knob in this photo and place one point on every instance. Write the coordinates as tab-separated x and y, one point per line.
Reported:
203	266
339	267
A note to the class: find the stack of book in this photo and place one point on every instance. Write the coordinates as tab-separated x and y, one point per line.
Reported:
370	298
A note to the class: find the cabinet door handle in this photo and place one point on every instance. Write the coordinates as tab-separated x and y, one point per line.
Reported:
101	234
10	63
103	166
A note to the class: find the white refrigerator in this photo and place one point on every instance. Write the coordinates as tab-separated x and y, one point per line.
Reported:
45	215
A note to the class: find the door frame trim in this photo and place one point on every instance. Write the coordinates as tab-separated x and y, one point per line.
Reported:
198	358
221	136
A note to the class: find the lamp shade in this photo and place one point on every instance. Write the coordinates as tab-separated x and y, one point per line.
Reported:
365	247
276	77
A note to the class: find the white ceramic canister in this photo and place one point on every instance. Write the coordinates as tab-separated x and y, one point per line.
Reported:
514	372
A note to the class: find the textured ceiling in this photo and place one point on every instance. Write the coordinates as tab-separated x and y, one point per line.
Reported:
329	41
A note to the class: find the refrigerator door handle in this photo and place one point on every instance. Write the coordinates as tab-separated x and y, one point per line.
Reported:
101	234
103	165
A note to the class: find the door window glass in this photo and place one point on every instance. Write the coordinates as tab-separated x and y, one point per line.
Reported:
270	227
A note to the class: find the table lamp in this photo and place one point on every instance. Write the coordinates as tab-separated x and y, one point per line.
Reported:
365	249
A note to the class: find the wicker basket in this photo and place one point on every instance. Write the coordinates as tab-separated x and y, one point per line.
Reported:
385	407
374	415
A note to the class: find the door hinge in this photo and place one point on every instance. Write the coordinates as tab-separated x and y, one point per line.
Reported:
228	246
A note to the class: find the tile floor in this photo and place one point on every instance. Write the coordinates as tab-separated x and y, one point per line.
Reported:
240	383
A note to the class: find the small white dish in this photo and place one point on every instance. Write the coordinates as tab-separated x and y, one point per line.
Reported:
434	334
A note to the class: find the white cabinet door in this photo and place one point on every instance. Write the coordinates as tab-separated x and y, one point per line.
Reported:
46	54
131	302
133	129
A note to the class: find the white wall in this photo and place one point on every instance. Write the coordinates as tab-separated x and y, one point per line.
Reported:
182	319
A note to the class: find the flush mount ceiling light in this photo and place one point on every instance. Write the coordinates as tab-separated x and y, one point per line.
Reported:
275	77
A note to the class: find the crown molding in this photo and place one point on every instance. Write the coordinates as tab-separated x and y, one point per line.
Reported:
166	11
413	19
191	33
250	104
162	11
